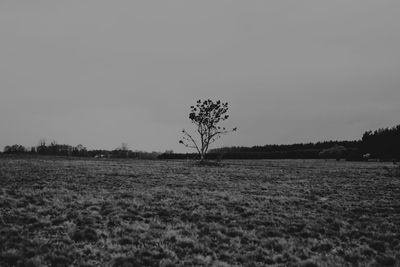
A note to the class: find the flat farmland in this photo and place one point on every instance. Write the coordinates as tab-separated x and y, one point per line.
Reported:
83	212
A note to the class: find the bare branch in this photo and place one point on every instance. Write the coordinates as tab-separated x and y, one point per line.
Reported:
192	140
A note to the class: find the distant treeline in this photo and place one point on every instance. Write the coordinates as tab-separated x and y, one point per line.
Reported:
54	149
381	144
329	149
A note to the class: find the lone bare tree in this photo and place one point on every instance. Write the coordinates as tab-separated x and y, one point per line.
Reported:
207	116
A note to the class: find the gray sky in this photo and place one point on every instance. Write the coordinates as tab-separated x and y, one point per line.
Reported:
101	73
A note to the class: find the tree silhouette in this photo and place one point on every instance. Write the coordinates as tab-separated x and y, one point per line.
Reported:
206	116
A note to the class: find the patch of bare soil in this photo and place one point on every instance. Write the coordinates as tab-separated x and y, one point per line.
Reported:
57	212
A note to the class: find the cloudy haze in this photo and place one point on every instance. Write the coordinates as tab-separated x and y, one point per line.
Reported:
101	73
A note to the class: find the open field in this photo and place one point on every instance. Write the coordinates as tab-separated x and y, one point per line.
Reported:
59	212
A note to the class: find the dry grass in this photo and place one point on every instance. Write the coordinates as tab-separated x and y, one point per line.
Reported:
151	213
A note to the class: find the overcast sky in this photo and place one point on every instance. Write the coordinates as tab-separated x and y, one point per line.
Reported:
100	73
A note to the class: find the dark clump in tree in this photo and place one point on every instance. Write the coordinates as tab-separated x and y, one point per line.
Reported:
206	116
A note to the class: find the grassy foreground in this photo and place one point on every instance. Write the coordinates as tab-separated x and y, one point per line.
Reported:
58	212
